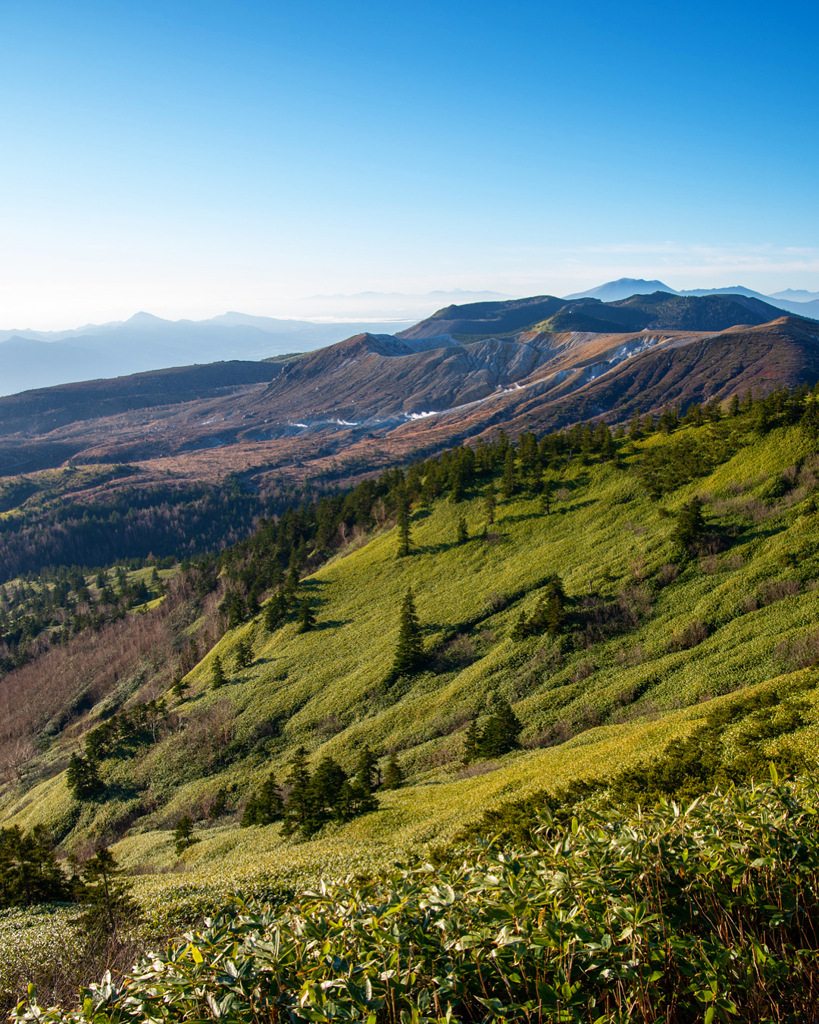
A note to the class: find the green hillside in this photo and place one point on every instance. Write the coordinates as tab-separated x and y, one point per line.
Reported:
689	561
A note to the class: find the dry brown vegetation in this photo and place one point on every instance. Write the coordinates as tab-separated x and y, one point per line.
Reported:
138	654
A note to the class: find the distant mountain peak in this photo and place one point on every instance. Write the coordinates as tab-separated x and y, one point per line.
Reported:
145	319
623	288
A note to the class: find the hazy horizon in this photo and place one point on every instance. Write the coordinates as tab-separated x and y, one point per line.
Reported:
370	307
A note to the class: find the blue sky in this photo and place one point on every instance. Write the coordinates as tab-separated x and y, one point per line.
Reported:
192	157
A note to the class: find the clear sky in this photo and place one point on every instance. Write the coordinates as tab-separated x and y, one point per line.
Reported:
191	157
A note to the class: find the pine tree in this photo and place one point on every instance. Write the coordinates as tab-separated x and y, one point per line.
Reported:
269	806
264	807
500	734
29	872
182	834
298	806
328	797
236	609
546	499
472	743
690	525
463	532
307	618
549	611
291	582
409	650
393	774
83	777
109	904
668	420
244	654
217	674
509	482
180	684
490	502
366	773
275	611
521	628
404	539
250	815
365	781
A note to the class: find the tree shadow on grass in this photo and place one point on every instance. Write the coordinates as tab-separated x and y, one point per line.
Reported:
330	624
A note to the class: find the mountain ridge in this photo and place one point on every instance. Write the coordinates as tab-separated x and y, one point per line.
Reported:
421	388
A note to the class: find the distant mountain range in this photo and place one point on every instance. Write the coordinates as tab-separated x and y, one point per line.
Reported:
657	311
801	302
36	359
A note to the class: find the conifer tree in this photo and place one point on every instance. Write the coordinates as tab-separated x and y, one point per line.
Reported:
472	743
409	650
521	628
393	774
307	618
291	582
298	807
463	532
29	872
275	611
404	539
182	834
509	483
328	796
690	525
83	777
366	780
546	498
366	773
500	734
264	807
550	609
489	502
180	684
217	673
109	905
668	420
244	654
236	609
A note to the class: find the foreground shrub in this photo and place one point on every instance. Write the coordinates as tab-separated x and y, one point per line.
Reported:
703	914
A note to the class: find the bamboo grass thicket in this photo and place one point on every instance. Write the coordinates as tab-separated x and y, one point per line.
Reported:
703	913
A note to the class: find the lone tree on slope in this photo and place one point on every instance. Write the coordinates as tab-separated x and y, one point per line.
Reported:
403	525
409	651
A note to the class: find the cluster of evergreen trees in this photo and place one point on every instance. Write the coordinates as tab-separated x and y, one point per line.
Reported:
498	736
314	798
131	522
30	874
132	727
59	604
120	735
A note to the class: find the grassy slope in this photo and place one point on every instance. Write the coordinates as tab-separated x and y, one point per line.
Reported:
325	686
